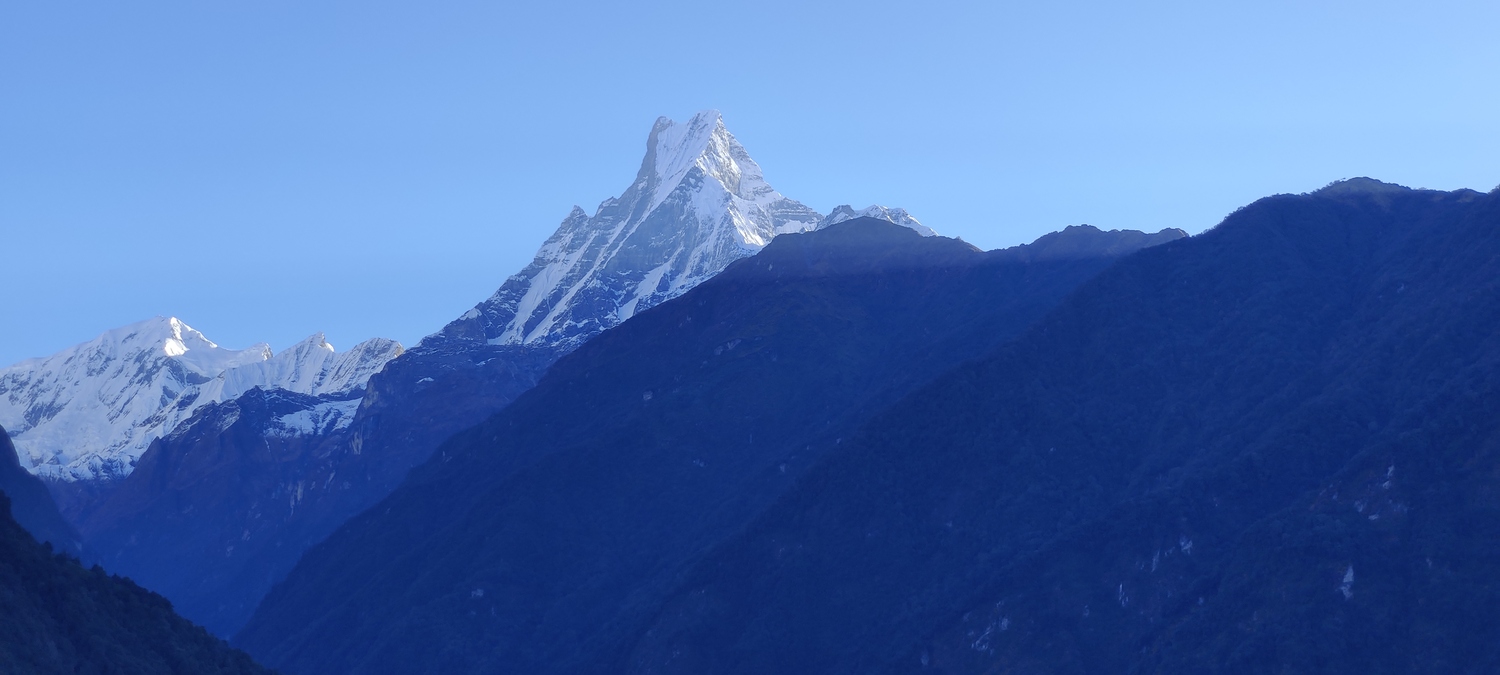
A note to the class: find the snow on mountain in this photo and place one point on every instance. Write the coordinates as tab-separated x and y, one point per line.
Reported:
89	411
698	203
309	367
319	419
896	216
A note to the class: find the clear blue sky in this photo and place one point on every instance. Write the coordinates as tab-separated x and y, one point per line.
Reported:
265	169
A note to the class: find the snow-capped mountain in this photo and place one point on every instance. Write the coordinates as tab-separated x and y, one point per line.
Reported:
311	367
89	411
698	203
271	472
897	216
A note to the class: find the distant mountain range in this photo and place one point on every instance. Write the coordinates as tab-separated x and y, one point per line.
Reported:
709	429
1269	448
88	412
698	203
274	451
653	443
1266	448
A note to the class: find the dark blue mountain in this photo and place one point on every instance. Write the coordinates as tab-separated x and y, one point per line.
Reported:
698	203
57	617
546	538
30	503
219	510
1273	447
210	516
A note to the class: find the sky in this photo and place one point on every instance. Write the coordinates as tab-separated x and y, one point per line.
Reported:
265	170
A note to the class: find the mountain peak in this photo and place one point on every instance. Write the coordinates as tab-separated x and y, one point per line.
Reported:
689	138
1361	185
698	203
168	334
311	367
89	411
317	340
897	216
1076	242
674	151
672	145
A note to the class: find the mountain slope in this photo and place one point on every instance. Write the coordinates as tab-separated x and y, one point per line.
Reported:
698	203
209	517
541	540
1265	449
30	503
57	617
311	367
88	412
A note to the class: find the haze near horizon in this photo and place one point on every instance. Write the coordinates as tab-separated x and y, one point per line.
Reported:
267	171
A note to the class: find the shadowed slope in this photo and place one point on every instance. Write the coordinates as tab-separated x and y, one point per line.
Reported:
540	540
56	617
1271	448
31	504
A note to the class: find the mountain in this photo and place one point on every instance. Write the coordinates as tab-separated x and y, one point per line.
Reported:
311	367
218	510
545	538
1268	448
57	617
698	203
210	521
31	504
897	216
1077	242
88	412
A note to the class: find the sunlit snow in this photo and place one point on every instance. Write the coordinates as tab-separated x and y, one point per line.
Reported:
699	202
89	411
